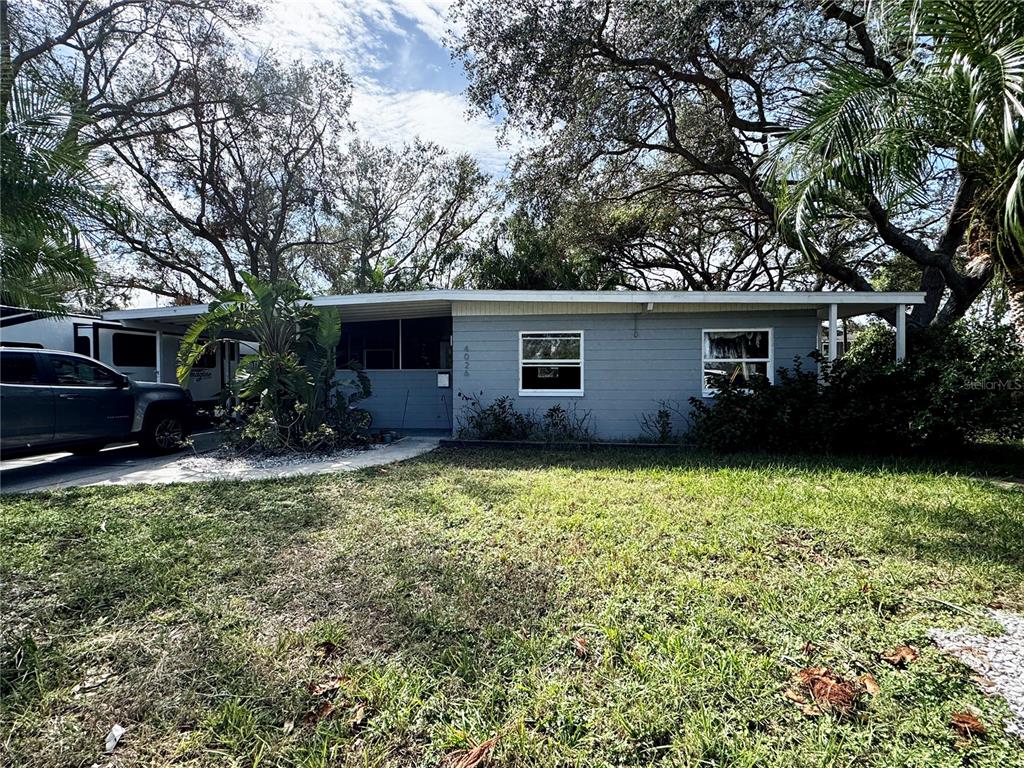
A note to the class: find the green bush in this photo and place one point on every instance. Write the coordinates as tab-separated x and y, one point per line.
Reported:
659	427
501	421
957	386
561	426
287	395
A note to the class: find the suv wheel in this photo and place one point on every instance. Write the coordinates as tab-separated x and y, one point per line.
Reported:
164	432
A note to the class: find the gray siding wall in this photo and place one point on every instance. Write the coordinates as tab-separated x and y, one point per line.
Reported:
630	361
408	400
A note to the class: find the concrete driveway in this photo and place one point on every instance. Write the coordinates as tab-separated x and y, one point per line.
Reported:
65	470
129	464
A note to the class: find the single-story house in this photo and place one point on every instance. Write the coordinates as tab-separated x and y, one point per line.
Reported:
614	354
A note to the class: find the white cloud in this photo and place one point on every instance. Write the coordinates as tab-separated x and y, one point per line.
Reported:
349	30
353	32
430	15
443	118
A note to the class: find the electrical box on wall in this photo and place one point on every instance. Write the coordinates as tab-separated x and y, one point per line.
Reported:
444	380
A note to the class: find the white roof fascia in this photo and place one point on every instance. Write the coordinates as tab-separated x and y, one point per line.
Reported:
795	298
617	297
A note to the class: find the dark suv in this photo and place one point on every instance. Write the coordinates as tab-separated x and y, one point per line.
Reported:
59	401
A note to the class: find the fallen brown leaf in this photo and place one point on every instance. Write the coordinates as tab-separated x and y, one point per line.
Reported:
470	758
828	691
359	716
328	685
809	648
579	645
967	725
808	708
901	655
870	684
796	696
322	711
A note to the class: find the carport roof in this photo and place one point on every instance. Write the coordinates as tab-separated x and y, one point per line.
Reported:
371	306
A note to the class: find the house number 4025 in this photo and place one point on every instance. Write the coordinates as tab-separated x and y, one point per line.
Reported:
465	361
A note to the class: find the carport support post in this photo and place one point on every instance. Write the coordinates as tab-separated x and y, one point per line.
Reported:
833	331
159	355
901	332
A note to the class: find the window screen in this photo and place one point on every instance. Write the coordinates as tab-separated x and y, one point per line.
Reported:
207	360
427	343
133	350
372	344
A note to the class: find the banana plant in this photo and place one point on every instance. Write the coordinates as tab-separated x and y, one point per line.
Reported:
292	373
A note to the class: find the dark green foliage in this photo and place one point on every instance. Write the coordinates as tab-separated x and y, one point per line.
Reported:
785	416
958	386
658	426
526	255
944	88
561	426
498	421
501	421
898	126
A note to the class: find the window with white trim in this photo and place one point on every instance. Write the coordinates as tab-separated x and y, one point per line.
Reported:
551	363
736	356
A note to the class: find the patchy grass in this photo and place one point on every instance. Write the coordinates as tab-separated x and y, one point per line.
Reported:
598	609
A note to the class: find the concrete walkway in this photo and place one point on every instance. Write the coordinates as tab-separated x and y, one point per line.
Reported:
126	465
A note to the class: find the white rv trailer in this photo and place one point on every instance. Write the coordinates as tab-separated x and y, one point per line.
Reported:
142	354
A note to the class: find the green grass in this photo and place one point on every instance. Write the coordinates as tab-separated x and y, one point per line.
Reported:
453	586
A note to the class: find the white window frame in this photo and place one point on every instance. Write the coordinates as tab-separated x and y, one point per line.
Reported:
551	392
710	392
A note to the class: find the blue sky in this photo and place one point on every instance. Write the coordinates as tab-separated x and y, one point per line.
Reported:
405	82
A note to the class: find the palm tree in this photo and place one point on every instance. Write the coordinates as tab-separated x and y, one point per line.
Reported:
949	94
48	191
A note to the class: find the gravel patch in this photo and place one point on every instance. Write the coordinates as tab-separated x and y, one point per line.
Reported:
998	661
223	462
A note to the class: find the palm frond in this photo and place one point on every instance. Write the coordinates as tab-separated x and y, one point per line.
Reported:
957	87
49	189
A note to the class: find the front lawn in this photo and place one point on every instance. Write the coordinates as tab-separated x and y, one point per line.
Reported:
598	609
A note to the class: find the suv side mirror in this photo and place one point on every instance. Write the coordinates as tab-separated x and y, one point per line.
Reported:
123	381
